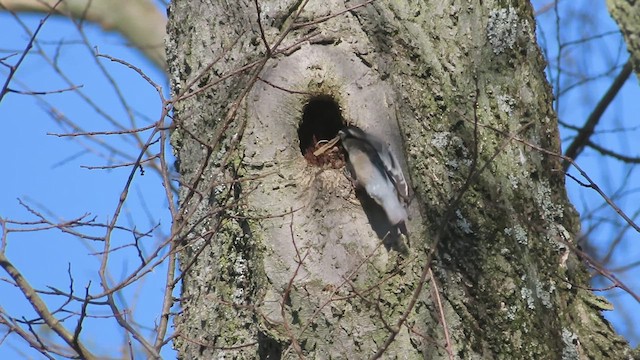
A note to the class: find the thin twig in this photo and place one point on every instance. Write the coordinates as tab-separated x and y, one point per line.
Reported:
41	308
443	318
23	55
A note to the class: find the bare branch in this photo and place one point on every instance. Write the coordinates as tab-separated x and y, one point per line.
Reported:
41	308
12	69
582	139
139	21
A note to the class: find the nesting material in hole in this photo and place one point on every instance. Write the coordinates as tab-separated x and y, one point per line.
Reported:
318	132
327	146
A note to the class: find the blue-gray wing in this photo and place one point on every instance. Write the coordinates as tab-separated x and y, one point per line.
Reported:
391	165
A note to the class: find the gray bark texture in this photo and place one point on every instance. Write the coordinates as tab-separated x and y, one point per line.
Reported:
282	259
627	14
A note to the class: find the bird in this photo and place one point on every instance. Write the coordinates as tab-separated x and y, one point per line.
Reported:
374	168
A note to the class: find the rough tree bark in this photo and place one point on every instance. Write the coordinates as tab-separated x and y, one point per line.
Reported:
280	259
627	14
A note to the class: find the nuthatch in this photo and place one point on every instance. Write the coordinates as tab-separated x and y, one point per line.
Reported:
374	168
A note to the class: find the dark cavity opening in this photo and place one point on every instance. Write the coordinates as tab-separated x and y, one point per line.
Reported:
321	121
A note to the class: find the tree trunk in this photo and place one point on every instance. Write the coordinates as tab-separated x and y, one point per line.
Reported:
626	13
282	259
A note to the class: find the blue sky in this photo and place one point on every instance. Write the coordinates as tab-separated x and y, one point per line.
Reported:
594	64
47	173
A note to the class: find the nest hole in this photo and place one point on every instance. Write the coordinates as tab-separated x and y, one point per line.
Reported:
321	121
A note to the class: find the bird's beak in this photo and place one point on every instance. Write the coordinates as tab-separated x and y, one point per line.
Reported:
326	146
